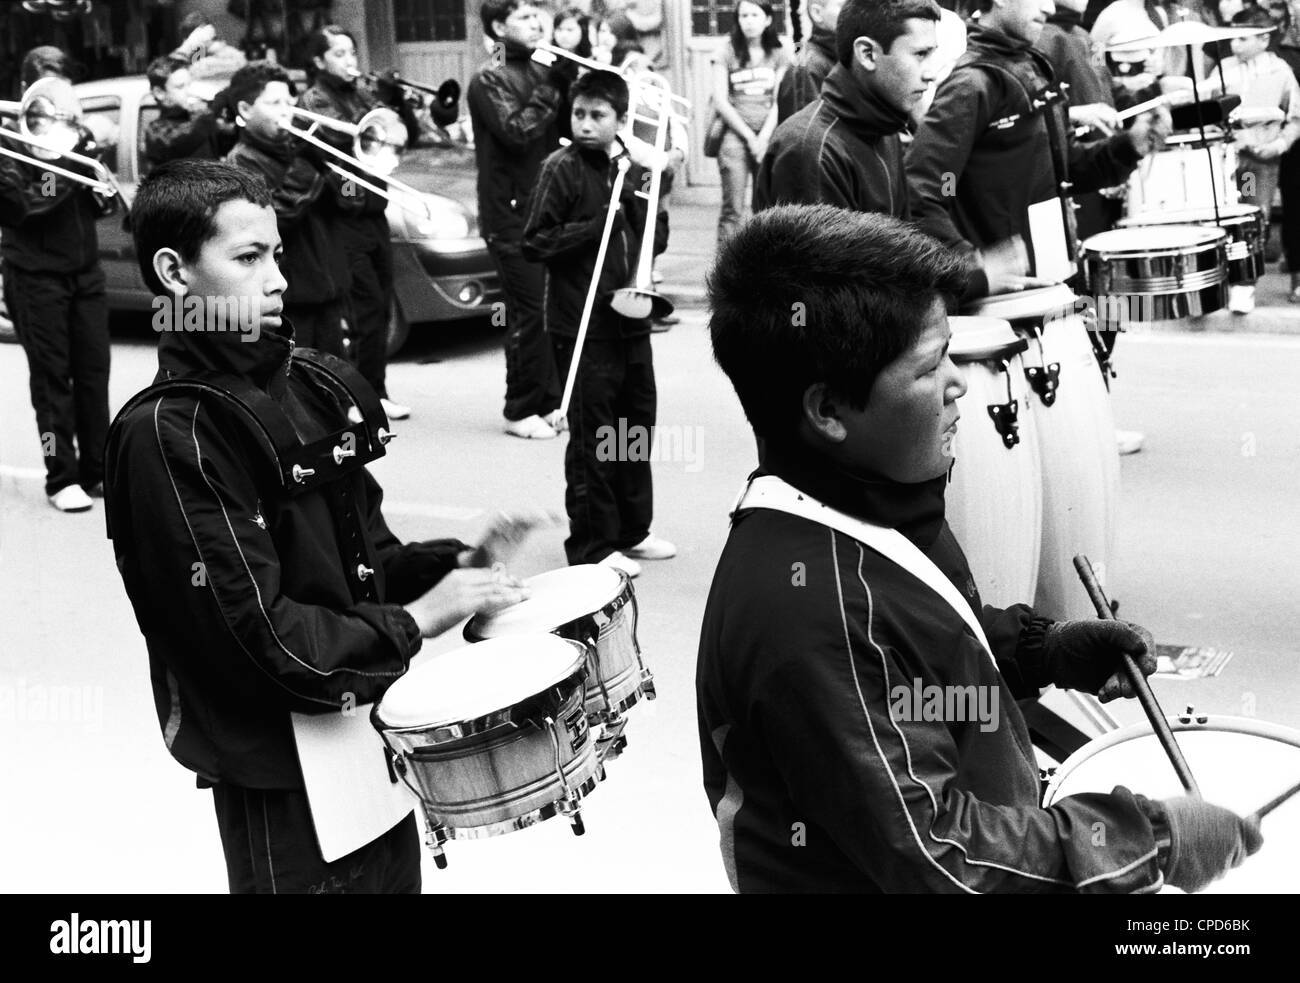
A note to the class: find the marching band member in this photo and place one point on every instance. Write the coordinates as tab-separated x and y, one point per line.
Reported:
315	262
514	104
181	129
258	595
841	582
54	290
359	213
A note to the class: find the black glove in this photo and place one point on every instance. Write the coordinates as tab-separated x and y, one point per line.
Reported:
1205	842
562	73
1085	655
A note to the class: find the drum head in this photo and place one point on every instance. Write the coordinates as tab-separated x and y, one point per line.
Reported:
1023	304
1149	238
558	597
975	338
1191	216
476	680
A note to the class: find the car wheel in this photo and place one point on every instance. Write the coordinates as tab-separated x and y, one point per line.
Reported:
398	329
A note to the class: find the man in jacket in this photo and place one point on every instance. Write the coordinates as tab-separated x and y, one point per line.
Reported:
262	588
513	104
54	290
802	82
856	702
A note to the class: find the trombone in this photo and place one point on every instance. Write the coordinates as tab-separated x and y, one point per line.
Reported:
379	137
546	54
47	117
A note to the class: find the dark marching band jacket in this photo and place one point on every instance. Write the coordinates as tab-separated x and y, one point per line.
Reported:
802	82
348	102
51	232
842	149
259	590
314	262
513	105
179	133
820	778
983	154
565	222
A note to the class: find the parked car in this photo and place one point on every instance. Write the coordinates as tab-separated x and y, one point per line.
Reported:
442	269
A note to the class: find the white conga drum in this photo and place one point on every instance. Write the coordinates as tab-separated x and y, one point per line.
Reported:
1238	763
994	501
493	737
1078	457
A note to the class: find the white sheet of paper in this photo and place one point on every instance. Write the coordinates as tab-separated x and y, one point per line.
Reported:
352	798
1047	229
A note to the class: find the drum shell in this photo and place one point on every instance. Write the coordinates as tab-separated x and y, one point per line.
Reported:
1140	285
1239	763
994	499
503	778
1182	176
1245	228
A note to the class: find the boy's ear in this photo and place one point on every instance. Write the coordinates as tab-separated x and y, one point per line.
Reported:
821	413
170	269
243	108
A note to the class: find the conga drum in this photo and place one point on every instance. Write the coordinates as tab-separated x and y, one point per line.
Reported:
994	501
1078	457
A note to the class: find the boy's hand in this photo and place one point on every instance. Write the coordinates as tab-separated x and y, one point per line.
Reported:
462	593
506	534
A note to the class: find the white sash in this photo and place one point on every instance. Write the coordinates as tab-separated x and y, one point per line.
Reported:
771	492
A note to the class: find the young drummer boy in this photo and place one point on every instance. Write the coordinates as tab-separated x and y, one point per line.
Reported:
256	596
841	584
609	496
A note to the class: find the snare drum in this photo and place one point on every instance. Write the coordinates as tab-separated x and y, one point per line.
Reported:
1157	273
994	501
1184	175
1238	763
492	738
1078	458
1244	225
591	604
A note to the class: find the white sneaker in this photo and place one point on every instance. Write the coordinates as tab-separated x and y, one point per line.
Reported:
394	411
557	421
530	428
71	499
1129	441
653	548
620	562
1241	298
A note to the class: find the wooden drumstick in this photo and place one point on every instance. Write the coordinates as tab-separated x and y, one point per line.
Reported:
623	164
1140	685
1272	804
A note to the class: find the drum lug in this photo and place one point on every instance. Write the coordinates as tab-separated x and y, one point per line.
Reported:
648	684
1190	716
1044	380
436	834
1005	421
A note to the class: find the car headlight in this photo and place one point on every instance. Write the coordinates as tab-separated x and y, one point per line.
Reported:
444	219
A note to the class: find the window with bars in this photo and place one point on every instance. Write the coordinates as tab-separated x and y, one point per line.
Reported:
714	17
429	20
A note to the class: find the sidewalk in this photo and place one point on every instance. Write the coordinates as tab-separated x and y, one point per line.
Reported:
693	221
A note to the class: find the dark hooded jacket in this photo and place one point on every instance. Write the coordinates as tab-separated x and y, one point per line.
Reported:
177	133
843	149
818	781
347	102
982	156
802	82
250	600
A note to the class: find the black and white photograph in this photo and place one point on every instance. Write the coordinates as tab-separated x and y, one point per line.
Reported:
651	447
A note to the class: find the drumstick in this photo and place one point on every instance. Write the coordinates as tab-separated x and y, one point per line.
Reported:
1138	110
1143	689
1272	804
623	164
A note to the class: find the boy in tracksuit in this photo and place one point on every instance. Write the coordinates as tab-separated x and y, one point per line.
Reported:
314	260
609	496
54	290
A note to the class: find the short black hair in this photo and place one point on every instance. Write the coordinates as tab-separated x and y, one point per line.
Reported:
884	21
494	10
609	86
163	68
622	49
1253	17
176	204
248	82
803	294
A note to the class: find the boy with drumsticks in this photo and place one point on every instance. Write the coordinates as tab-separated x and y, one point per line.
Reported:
842	593
262	588
609	496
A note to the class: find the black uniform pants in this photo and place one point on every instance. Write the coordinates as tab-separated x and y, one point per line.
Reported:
608	491
270	846
61	320
318	326
532	385
369	250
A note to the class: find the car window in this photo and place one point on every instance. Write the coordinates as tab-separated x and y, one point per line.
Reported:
102	116
149	111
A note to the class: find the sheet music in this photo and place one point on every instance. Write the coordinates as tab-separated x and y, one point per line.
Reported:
1047	231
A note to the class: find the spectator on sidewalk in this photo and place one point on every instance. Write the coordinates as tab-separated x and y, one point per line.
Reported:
814	60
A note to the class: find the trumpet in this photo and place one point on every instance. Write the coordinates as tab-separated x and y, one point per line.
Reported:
379	138
546	54
47	120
